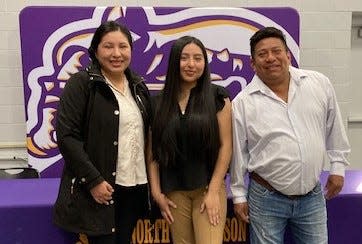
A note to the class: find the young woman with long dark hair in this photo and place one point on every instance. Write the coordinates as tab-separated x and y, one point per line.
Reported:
191	147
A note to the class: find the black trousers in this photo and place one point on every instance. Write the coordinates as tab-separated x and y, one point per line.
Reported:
131	203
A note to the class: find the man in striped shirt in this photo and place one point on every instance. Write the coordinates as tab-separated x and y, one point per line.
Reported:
286	125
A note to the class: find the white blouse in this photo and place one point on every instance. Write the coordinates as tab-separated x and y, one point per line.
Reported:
131	167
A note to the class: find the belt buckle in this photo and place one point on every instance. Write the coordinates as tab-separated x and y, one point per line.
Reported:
292	197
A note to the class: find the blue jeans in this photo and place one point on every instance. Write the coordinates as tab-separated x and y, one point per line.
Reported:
270	212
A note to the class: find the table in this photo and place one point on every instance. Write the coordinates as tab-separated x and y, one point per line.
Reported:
344	212
26	212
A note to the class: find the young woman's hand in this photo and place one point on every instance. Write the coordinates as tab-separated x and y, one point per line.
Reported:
164	204
212	205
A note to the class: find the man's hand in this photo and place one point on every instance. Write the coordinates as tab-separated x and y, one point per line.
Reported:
334	186
241	211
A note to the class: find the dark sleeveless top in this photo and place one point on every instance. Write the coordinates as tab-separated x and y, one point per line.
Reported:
189	172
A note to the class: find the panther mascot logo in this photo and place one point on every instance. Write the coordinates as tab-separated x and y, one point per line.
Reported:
224	31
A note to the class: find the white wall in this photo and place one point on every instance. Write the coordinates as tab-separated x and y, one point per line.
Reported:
325	46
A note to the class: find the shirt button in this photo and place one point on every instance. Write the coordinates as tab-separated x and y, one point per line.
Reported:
114	173
83	180
113	229
116	112
115	143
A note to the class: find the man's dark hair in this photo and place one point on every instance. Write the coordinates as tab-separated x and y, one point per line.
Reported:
266	33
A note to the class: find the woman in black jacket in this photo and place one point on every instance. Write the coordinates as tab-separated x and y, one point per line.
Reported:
102	120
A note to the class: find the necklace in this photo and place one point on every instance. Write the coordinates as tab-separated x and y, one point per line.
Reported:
183	100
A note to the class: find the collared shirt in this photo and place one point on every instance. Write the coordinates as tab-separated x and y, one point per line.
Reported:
131	167
287	143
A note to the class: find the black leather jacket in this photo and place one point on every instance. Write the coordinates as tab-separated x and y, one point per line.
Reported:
87	134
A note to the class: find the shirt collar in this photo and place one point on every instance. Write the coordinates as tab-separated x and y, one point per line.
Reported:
109	83
256	84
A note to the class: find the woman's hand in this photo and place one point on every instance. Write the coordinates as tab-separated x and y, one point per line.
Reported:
164	204
212	205
102	192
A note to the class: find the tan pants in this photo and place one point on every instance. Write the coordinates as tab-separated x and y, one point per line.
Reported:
191	226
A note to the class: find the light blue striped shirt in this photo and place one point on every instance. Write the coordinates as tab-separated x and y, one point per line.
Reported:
287	143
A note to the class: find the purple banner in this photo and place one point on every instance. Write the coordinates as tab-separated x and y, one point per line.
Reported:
54	42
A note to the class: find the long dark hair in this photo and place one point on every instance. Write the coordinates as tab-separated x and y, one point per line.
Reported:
202	122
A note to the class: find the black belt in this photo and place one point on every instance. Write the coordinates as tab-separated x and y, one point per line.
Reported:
261	181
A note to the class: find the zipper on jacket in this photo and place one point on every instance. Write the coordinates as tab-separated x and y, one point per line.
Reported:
138	98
